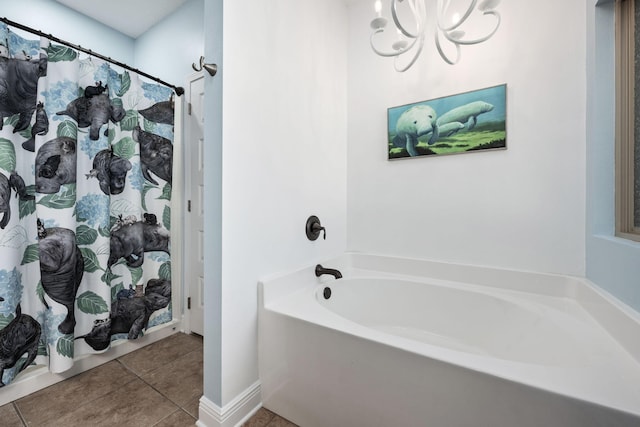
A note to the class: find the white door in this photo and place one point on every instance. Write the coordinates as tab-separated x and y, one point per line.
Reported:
194	223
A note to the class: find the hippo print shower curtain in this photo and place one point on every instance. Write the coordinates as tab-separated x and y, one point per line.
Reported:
85	188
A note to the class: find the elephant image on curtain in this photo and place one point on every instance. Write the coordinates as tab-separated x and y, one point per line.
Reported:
85	204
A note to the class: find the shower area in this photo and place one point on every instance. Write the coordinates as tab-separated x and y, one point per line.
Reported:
86	186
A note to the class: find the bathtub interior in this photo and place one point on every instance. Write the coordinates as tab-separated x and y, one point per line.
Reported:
555	333
496	323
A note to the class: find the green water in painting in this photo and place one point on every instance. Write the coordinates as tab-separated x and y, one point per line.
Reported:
484	136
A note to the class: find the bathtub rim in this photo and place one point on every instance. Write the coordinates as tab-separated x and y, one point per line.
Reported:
617	318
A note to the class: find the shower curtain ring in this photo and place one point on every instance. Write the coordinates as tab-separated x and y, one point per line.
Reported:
212	69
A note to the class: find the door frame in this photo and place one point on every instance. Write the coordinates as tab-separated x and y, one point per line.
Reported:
187	250
177	220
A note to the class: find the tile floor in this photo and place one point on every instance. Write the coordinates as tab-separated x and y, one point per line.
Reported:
266	418
156	386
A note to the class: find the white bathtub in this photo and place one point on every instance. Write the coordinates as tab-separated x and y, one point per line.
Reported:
416	343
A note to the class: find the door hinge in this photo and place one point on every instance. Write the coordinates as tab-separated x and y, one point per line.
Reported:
189	108
189	303
188	205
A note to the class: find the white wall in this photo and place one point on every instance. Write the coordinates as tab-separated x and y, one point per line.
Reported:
53	18
283	129
291	94
283	159
523	208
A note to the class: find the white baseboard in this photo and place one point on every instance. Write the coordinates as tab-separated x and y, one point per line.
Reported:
235	413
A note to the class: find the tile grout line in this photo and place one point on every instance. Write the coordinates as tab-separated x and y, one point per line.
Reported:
17	409
158	391
177	410
97	398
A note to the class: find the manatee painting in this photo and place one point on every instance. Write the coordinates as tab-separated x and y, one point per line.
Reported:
467	113
414	123
450	128
61	269
21	336
466	122
94	111
18	89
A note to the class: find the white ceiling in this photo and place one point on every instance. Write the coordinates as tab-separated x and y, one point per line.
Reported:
130	17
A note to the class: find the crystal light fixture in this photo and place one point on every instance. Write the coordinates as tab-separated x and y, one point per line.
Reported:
450	21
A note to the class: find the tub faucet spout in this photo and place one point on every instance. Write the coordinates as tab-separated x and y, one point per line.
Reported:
320	270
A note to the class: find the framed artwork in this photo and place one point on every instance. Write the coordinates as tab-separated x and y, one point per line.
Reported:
461	123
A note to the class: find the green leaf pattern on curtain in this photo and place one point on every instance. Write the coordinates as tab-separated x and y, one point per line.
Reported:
85	212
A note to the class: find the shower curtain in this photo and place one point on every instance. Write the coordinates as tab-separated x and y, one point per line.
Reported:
85	189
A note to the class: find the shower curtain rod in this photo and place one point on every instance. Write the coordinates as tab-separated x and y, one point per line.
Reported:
177	89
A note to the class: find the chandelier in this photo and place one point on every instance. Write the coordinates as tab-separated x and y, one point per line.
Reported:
411	26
